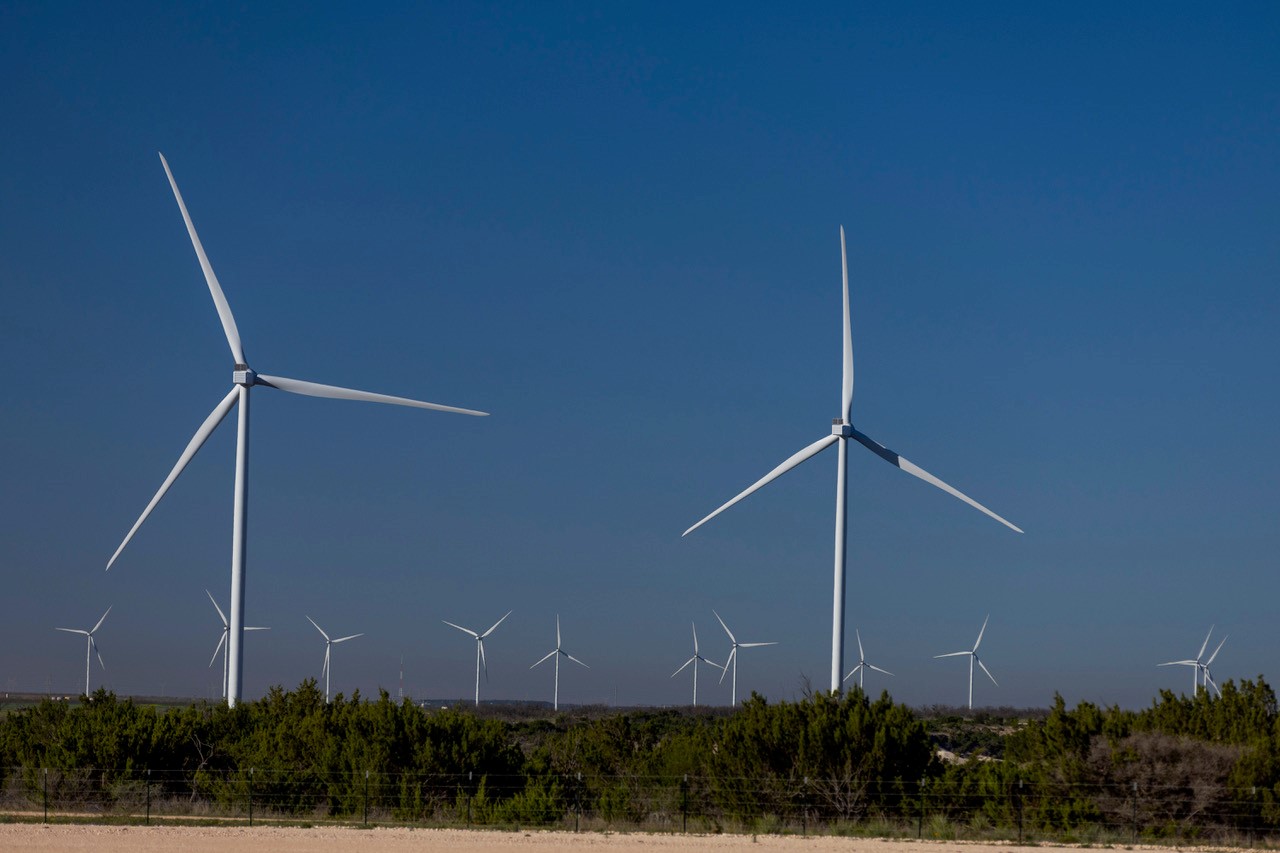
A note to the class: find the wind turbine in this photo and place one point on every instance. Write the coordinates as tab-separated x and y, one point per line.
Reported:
863	666
244	378
973	657
1196	666
90	647
841	431
557	652
694	660
222	641
733	659
480	661
328	644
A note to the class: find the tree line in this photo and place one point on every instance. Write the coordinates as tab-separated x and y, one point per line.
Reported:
1182	767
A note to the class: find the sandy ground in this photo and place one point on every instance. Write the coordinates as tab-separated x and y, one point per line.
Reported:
41	838
24	837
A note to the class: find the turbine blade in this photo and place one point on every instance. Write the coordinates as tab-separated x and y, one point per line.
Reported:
753	645
710	662
791	462
683	666
557	632
215	289
987	671
1180	663
1215	651
846	390
1212	683
460	628
1205	644
726	628
982	631
73	631
100	621
247	628
855	630
544	658
197	441
878	669
575	660
315	389
97	653
349	637
852	672
733	653
952	655
916	471
695	639
484	664
221	615
495	625
218	648
322	633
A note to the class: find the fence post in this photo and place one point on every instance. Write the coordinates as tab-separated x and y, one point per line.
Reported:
577	802
1253	808
366	798
1135	812
44	773
148	796
250	796
470	777
684	803
804	807
920	824
1019	812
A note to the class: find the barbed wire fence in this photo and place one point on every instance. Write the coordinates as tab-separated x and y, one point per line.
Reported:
1020	811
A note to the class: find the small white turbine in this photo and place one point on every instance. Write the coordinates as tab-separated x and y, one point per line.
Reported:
328	644
480	661
1197	668
694	660
222	641
733	659
973	658
863	666
90	647
557	652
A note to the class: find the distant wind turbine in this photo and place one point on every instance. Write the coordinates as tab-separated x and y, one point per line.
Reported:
90	647
973	658
222	641
732	661
1198	668
328	644
841	431
243	379
480	661
557	653
694	660
863	666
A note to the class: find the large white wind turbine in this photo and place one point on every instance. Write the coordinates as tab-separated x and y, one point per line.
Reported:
328	644
973	657
863	666
557	652
695	660
222	641
732	661
480	661
244	378
1198	668
841	431
90	647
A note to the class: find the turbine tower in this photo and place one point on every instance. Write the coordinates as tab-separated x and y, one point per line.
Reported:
480	661
863	666
328	644
558	652
222	641
973	657
694	660
1198	668
841	431
244	379
733	659
90	647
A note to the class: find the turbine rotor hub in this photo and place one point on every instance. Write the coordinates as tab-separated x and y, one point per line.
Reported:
243	375
841	427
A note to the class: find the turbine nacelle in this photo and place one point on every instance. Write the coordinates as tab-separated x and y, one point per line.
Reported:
244	375
841	427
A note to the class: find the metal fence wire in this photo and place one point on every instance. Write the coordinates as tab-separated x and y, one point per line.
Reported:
1022	810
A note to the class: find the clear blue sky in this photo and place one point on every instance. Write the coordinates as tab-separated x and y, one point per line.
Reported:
616	230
